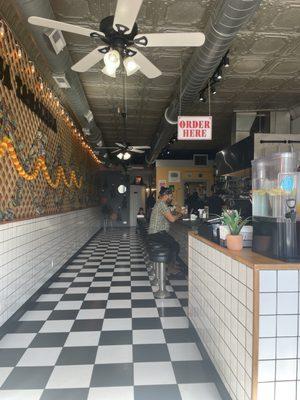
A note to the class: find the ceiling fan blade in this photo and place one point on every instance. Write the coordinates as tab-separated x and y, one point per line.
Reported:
176	39
116	151
100	148
62	26
146	66
89	60
141	147
126	14
121	145
137	151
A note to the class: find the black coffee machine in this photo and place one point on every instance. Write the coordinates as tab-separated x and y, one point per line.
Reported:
276	219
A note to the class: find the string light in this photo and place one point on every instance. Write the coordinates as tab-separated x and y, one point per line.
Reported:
19	51
41	84
2	30
31	67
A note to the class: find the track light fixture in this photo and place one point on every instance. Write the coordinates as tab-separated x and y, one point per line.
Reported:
226	60
213	90
202	98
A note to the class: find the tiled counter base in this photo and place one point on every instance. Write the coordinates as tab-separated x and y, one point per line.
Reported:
245	309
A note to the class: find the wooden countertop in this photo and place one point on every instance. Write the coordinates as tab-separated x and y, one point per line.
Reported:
248	257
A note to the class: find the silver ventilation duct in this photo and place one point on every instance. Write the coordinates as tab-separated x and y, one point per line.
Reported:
60	64
227	19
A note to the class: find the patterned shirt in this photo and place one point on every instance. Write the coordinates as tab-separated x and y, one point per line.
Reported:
158	222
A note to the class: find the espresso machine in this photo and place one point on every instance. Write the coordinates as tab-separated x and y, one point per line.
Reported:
276	206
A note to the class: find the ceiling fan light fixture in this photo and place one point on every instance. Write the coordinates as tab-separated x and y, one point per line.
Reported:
112	60
130	65
126	155
109	72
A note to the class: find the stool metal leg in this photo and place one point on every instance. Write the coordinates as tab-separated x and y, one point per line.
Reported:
154	281
162	292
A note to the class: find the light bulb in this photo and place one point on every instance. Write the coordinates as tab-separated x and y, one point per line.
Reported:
2	30
19	51
32	67
112	59
120	156
126	155
109	72
130	65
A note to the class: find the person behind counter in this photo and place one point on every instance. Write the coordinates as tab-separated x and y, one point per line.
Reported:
194	202
159	226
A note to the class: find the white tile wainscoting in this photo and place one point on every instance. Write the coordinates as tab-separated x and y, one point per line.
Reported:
221	309
279	324
248	318
31	251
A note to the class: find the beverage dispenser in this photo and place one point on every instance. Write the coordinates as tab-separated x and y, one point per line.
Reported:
276	206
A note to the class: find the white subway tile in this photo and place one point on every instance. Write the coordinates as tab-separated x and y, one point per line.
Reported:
267	349
268	281
266	371
288	281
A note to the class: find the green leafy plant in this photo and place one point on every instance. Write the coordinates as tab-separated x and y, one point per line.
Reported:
234	221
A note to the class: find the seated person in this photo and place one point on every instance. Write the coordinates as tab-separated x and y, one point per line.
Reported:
160	220
141	213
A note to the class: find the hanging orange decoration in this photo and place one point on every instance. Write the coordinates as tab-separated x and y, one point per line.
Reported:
7	146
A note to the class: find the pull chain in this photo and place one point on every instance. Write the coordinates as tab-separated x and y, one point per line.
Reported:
180	85
209	93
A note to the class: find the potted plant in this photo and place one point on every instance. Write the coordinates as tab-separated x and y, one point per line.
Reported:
235	223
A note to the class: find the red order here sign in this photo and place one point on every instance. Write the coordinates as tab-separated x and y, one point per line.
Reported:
194	128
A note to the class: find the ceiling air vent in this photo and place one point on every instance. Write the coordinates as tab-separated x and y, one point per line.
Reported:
57	40
61	81
89	116
200	159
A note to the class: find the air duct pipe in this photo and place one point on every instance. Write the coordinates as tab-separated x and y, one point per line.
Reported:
227	19
60	64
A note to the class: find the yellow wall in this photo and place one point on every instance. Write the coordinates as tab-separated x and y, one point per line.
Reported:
187	174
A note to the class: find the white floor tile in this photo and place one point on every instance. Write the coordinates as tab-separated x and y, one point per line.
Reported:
153	373
78	339
38	357
167	303
174	322
71	376
50	297
20	394
147	312
84	279
58	285
120	289
74	266
196	391
16	340
57	326
91	314
117	324
114	354
68	305
184	351
68	275
146	336
4	372
118	304
36	315
96	296
140	283
111	393
121	278
100	284
142	295
182	295
77	290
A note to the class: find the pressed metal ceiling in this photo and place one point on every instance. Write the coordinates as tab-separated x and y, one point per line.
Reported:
264	70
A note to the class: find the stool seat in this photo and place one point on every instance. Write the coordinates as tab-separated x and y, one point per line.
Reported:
162	255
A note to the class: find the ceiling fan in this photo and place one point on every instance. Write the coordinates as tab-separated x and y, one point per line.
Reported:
124	150
119	33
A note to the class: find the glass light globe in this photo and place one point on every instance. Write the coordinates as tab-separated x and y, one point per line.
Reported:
112	59
130	65
120	156
126	155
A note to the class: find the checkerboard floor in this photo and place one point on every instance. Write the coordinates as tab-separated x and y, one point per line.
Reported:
98	333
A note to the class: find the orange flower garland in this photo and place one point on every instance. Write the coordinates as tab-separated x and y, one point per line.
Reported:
7	146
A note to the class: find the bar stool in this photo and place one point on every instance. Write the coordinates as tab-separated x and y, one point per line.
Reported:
161	257
152	247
